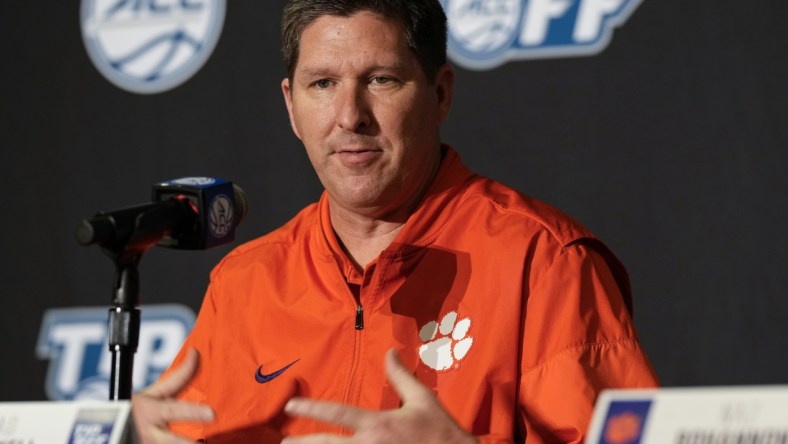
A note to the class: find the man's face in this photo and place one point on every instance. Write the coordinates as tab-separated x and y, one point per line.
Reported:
368	117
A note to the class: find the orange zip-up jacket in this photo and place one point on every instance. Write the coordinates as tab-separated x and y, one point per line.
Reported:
511	312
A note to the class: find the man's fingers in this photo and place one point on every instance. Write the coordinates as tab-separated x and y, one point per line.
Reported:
177	379
185	411
155	408
151	417
420	419
329	412
165	437
160	412
407	386
316	439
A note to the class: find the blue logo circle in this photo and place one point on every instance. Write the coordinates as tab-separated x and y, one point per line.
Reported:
481	32
150	46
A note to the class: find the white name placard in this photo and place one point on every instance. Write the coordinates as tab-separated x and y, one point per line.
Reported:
88	422
703	415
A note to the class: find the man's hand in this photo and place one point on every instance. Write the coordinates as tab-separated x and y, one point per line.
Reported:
420	419
155	407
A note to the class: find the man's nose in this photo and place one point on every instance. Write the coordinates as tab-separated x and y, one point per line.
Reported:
353	108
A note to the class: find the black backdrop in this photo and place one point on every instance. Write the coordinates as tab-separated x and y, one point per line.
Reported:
670	145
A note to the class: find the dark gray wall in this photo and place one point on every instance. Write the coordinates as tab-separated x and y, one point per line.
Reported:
670	145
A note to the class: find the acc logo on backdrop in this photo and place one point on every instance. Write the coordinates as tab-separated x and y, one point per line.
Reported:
150	46
484	34
75	342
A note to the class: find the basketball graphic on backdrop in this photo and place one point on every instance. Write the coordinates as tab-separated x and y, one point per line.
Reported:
150	46
483	27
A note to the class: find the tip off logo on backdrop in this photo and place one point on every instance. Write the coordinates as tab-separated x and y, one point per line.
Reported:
150	46
74	340
484	34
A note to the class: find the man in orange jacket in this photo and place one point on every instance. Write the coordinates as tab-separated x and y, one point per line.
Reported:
416	301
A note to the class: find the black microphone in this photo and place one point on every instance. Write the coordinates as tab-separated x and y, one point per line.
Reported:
191	213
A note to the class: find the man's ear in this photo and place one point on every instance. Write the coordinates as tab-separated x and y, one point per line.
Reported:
444	88
288	95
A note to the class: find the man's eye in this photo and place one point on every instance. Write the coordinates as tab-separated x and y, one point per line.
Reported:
380	80
323	83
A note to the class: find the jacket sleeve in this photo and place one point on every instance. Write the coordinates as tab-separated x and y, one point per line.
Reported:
578	339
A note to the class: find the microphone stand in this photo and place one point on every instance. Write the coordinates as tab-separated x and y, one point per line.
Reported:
126	248
124	326
126	234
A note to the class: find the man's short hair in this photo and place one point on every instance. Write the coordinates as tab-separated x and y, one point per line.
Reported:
424	21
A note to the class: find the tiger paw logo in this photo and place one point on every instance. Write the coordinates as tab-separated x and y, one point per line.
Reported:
446	343
625	421
624	428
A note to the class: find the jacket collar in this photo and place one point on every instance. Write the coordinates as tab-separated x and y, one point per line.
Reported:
423	225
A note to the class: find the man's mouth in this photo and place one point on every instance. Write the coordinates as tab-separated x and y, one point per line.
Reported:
355	157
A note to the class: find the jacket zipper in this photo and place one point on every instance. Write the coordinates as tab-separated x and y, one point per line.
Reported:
359	317
349	398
